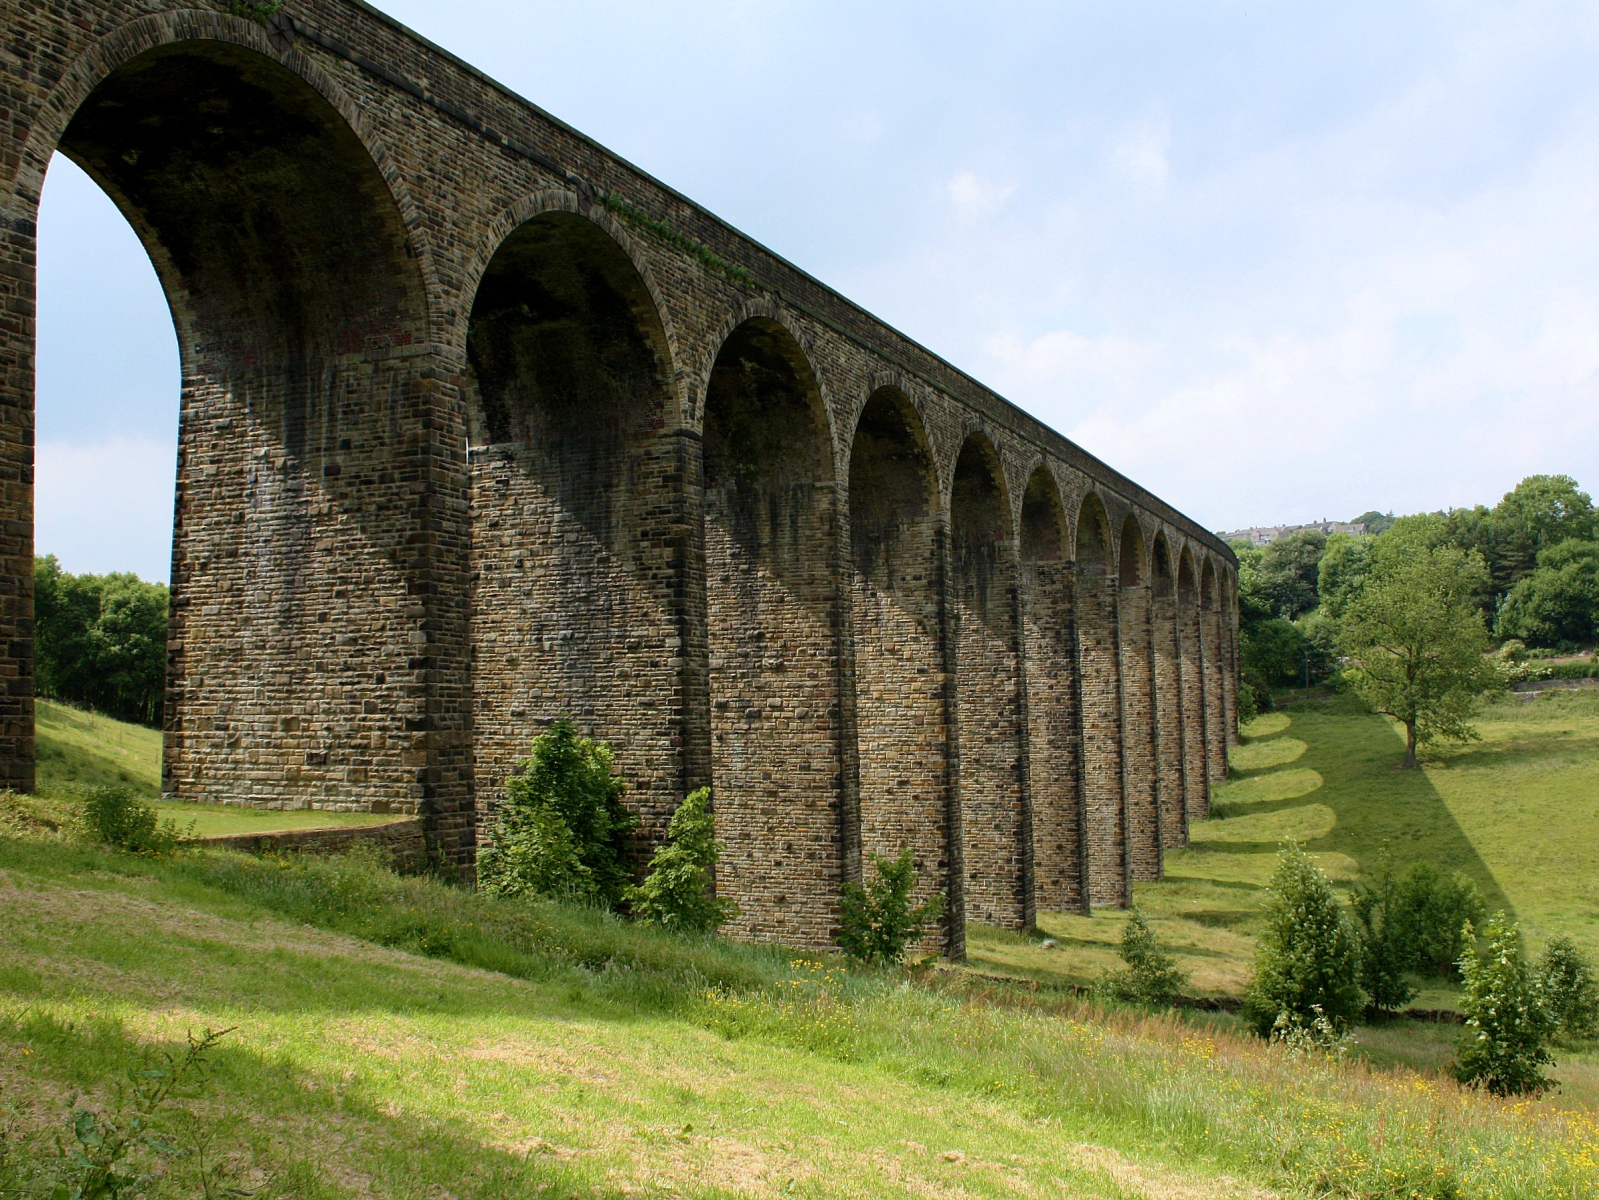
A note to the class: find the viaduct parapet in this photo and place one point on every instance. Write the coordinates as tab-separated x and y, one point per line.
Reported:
480	425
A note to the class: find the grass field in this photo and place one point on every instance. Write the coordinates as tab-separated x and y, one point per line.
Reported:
1517	811
399	1038
78	748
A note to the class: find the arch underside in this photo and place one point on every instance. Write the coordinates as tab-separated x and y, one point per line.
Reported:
579	530
991	751
772	602
897	608
1099	666
299	311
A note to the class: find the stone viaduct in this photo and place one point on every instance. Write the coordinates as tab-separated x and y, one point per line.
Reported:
481	425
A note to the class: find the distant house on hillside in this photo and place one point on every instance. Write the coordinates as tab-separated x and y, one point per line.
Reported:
1265	535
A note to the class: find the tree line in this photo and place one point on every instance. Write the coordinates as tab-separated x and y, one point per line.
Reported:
1407	613
100	641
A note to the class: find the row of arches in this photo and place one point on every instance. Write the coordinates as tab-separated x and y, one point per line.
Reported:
395	558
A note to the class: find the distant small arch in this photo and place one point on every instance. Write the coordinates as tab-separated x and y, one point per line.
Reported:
1160	565
1043	523
1131	557
1187	585
1207	586
892	478
1093	554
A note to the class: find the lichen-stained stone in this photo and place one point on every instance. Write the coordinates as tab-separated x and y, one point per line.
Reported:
481	426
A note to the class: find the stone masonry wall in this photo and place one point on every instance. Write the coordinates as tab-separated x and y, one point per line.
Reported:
1139	763
1171	782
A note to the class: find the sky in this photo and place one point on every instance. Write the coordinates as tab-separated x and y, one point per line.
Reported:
1277	262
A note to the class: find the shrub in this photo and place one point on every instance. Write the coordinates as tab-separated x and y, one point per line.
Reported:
679	890
145	1141
877	922
1308	961
562	829
1570	991
535	854
1508	1026
1303	1038
115	815
1430	910
1149	975
1386	956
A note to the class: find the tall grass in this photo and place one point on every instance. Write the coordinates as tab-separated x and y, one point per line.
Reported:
1167	1085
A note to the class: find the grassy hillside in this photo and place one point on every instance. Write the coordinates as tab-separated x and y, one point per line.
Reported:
78	748
398	1038
1517	811
75	746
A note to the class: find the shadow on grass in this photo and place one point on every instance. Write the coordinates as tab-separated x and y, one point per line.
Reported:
373	1150
1355	753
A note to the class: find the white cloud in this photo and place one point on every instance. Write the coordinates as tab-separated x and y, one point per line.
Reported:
973	196
1141	158
106	506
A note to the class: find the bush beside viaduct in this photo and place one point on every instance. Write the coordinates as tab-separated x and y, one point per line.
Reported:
480	426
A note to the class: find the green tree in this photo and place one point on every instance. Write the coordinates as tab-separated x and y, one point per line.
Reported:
562	828
679	892
1416	639
1386	956
1508	1026
101	641
1307	963
1149	975
1540	512
1430	911
1570	991
877	921
1342	572
1290	570
1559	602
1375	522
1273	652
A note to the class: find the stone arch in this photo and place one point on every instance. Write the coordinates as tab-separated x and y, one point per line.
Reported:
771	538
1099	669
991	748
644	292
582	524
1168	693
898	620
1211	644
1053	703
1136	643
1196	775
293	500
165	32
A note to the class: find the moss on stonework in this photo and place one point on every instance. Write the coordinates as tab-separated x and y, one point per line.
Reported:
694	249
261	12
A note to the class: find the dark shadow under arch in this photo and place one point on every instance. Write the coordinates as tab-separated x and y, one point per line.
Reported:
1049	642
1091	548
302	326
772	570
996	819
581	527
1099	666
897	552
